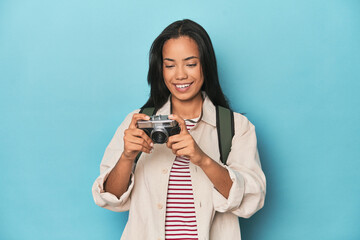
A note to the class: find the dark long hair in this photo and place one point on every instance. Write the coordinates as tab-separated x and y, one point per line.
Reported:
159	93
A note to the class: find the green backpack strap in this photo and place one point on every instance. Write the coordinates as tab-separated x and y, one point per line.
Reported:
148	111
225	130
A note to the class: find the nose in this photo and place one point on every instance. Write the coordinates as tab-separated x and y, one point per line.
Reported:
181	73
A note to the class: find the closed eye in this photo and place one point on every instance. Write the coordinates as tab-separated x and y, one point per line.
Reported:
169	66
191	65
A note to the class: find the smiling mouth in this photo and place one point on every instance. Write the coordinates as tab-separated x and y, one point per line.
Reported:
182	86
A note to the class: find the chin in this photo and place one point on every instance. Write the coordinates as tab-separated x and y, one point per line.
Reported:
185	96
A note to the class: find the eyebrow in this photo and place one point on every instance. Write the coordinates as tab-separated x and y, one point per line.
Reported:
185	59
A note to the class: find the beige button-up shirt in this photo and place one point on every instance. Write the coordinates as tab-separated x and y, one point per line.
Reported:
216	216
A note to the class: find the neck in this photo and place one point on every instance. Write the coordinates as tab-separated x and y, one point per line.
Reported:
187	109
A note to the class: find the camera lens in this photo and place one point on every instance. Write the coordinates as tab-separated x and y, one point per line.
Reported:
159	134
159	137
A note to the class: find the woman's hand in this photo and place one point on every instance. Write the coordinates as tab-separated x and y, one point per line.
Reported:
183	144
135	139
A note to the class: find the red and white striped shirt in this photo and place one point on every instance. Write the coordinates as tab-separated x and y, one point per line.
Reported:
180	221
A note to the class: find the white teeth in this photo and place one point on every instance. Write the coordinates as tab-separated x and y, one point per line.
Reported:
183	86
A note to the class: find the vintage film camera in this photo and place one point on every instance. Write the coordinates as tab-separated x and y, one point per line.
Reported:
159	128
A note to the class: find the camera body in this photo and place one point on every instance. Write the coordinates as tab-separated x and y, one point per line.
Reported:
159	128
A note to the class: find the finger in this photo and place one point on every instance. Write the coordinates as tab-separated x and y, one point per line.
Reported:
179	138
133	147
141	134
182	153
174	139
139	137
175	151
180	121
136	117
139	141
136	147
179	145
169	143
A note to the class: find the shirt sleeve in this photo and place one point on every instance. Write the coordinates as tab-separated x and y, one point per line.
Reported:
111	156
247	193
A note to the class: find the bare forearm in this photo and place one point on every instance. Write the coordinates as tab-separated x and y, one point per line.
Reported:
218	175
119	178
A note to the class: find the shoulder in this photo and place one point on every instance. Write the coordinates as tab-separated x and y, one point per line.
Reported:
126	122
242	123
129	115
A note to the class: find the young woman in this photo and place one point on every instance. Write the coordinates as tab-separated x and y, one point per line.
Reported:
181	190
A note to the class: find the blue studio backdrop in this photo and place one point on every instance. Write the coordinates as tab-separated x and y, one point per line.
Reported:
70	71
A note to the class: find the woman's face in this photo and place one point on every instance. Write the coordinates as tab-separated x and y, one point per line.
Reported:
182	70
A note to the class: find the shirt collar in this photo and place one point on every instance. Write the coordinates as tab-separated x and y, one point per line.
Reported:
208	108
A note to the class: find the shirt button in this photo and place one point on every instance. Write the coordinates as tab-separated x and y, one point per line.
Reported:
160	206
164	171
